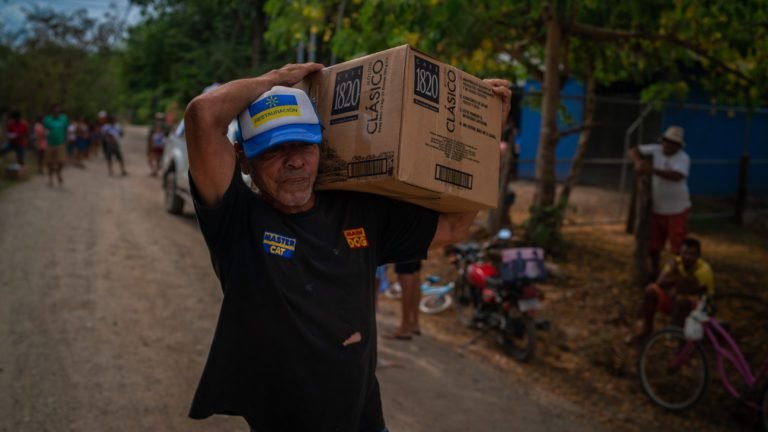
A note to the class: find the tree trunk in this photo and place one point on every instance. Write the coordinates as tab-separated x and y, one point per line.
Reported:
545	156
339	20
496	216
632	213
257	41
581	148
640	271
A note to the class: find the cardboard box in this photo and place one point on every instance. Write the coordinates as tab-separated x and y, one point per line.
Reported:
401	124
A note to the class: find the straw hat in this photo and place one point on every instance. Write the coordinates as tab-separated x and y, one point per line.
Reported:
674	134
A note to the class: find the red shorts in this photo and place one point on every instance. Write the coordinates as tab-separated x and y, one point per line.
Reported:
664	304
668	227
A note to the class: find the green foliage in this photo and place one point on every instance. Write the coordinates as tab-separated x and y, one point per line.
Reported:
455	31
664	47
542	228
59	58
182	47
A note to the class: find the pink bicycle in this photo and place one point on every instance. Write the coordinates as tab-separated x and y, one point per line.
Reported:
674	371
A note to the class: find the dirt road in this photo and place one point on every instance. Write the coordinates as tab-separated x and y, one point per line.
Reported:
108	306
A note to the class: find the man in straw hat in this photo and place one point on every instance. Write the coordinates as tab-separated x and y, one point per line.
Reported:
671	200
295	344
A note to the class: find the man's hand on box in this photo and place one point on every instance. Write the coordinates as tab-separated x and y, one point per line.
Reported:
501	88
291	74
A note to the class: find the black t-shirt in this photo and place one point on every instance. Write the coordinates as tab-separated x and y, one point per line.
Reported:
295	344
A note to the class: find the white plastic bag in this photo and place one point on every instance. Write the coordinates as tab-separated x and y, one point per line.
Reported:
694	327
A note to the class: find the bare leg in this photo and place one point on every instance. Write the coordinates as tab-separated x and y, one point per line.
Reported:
648	311
41	161
410	302
405	329
681	307
644	326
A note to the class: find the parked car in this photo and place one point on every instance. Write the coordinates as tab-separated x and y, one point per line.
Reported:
174	166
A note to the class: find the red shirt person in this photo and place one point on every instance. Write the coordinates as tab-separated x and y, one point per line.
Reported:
17	131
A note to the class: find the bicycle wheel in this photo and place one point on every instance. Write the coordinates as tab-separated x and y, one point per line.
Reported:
673	370
517	336
764	408
434	304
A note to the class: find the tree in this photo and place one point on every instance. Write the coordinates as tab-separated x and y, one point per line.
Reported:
181	47
661	45
61	58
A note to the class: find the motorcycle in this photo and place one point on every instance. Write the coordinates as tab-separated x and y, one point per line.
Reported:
500	297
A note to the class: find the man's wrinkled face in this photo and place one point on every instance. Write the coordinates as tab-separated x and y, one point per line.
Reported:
689	255
670	147
285	175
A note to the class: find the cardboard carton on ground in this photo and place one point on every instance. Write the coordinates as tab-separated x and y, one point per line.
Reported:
401	124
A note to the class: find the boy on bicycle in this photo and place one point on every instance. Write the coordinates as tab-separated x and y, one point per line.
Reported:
678	288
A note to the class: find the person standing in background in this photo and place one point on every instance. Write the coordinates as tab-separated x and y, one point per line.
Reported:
41	142
17	131
409	278
97	138
72	143
56	123
671	200
111	133
156	143
82	140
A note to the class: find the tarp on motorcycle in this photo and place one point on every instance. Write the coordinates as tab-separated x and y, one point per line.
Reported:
525	263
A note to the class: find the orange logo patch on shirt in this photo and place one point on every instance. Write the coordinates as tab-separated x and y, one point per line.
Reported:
356	238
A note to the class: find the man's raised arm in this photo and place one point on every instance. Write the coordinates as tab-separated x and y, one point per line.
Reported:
211	156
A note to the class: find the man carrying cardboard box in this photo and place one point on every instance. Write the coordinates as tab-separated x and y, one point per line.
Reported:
295	345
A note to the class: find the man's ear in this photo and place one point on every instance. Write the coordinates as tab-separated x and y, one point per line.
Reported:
241	159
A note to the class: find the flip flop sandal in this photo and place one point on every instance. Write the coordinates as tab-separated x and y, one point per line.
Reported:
396	336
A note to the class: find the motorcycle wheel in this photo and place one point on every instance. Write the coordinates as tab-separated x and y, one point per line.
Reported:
517	336
463	302
434	304
393	291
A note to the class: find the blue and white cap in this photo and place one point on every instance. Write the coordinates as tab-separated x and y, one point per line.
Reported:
280	115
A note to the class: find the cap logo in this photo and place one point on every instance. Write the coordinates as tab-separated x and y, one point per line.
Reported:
273	107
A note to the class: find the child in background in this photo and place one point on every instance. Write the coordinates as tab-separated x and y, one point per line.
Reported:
155	150
41	141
